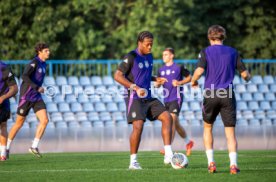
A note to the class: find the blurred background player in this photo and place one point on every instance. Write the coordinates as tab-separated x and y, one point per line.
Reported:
8	88
30	97
177	75
219	62
135	73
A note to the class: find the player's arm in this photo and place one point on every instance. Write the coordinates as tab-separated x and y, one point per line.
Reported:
8	76
201	65
187	77
29	69
242	69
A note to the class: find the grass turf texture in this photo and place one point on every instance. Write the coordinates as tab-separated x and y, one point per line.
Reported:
113	166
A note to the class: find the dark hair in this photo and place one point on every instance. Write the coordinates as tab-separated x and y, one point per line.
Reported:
40	47
143	35
216	32
171	50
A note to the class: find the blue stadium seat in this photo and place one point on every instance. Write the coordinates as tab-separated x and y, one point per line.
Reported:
257	79
265	105
117	116
61	125
57	118
81	116
122	106
248	114
69	98
85	124
268	79
89	90
236	80
96	80
194	106
82	98
252	88
50	126
109	124
93	116
271	114
254	122
185	106
196	122
76	107
201	80
253	105
266	122
242	122
49	80
107	98
105	116
263	88
84	80
270	96
46	98
59	98
112	107
274	105
61	80
95	99
13	107
247	96
51	107
63	107
184	122
73	124
273	88
188	115
118	98
241	105
260	114
88	107
100	107
98	124
239	114
240	88
73	80
238	96
78	90
258	96
108	80
121	123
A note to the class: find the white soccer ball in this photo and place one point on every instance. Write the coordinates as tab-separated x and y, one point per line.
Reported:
179	161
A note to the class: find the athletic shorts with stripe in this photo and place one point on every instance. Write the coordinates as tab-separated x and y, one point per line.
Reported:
25	106
173	107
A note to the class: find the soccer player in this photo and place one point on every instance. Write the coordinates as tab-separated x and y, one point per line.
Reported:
219	62
177	76
8	88
30	97
135	73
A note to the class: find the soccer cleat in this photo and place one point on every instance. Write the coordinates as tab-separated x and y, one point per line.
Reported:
189	147
7	154
135	166
234	169
167	160
162	152
212	167
3	158
35	151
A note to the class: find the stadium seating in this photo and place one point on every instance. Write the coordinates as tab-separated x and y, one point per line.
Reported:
96	102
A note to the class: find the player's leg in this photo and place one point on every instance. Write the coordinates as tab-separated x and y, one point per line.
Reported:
3	140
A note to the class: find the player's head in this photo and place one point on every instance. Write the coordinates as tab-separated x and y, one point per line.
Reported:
42	51
168	55
145	42
216	32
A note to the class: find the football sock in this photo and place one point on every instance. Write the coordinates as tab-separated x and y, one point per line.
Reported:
133	158
9	144
210	155
168	150
233	158
3	150
35	143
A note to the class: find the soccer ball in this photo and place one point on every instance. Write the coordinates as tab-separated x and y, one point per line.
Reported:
179	161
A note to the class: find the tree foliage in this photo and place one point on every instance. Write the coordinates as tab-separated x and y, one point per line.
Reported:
108	29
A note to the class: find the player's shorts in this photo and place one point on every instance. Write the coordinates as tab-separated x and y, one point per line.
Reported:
173	107
212	106
25	106
142	109
4	114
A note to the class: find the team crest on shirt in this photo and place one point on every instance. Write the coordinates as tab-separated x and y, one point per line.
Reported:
175	110
168	72
173	72
162	73
140	65
133	114
39	70
10	74
21	111
146	64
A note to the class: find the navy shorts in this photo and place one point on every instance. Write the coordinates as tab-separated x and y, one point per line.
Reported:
25	106
173	107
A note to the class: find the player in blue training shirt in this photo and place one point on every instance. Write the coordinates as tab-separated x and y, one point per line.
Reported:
135	73
8	88
177	75
30	97
219	62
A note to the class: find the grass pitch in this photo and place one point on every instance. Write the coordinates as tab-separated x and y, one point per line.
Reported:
113	166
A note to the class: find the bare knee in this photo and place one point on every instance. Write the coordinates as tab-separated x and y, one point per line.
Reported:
44	122
4	126
165	117
138	126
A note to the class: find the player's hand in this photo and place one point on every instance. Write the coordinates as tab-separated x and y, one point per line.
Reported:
141	92
175	83
161	80
1	100
40	90
194	84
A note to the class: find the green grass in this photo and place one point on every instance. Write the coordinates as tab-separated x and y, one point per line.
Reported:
113	166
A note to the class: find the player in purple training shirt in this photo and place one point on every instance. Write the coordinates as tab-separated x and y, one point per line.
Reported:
8	88
220	63
30	97
135	73
177	75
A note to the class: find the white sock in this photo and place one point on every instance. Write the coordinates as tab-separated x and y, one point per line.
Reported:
210	156
168	150
3	150
35	143
233	158
133	158
9	144
187	140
